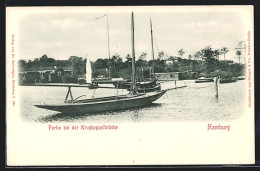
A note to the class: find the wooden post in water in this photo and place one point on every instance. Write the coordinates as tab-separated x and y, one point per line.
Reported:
185	84
116	90
216	95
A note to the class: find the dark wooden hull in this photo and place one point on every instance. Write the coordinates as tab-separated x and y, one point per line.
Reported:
106	104
204	81
148	89
227	81
142	87
127	84
240	77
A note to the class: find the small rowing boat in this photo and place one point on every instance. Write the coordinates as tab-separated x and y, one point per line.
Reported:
204	80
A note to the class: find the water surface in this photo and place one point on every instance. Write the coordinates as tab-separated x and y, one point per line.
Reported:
196	102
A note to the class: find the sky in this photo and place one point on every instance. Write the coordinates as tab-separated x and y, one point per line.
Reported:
61	32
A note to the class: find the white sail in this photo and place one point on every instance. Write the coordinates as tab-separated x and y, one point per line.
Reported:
88	71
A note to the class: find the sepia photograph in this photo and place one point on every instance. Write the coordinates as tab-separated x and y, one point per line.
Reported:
136	85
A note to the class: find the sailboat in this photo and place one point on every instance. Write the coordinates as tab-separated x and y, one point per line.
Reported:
144	86
111	103
89	81
88	72
150	85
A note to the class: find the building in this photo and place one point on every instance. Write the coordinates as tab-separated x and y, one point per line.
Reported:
169	76
241	46
43	75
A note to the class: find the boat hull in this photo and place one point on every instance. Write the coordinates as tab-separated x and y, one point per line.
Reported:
149	89
142	87
226	81
106	105
204	81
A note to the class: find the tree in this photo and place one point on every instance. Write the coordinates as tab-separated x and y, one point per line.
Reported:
161	55
36	61
143	56
128	60
171	58
224	50
100	63
216	54
22	64
44	57
207	53
141	59
30	64
115	59
45	61
238	53
120	63
175	64
198	55
190	57
209	57
181	52
79	66
160	62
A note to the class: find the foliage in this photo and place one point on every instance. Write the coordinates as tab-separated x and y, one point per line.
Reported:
181	52
238	53
204	62
143	73
128	61
78	65
69	79
117	61
224	50
161	55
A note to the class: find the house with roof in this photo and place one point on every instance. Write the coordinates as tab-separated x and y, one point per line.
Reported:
43	75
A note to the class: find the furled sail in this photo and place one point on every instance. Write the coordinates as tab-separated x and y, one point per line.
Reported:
88	71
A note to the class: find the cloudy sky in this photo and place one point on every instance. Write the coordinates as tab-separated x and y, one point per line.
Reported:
61	32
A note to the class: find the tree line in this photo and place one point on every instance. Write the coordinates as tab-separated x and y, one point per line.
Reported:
204	62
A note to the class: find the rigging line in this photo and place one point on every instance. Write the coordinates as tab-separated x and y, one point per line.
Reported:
97	18
155	41
94	93
156	44
100	17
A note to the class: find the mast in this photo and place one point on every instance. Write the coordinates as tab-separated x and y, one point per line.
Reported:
152	45
133	81
108	49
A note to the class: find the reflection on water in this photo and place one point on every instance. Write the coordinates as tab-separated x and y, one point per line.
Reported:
196	102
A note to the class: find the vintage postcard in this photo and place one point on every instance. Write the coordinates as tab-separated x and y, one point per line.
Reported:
143	85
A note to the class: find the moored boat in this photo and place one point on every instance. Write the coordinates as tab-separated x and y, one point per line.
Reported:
227	80
111	103
149	85
204	80
241	77
145	86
